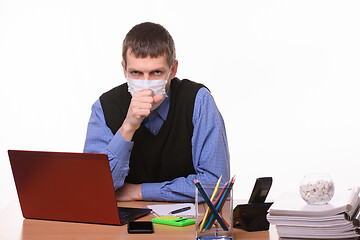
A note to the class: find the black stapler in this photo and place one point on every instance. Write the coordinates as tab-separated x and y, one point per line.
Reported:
252	216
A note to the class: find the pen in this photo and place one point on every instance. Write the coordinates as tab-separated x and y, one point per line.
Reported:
180	210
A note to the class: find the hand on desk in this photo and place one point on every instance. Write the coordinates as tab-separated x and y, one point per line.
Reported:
129	192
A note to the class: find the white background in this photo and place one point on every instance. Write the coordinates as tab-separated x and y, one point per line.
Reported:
285	76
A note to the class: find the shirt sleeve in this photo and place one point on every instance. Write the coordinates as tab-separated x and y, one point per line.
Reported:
209	151
100	139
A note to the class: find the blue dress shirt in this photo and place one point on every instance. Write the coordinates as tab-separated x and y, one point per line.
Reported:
209	148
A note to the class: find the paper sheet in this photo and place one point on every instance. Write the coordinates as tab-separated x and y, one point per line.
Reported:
165	209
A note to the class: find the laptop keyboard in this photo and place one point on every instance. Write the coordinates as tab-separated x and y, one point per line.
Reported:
129	214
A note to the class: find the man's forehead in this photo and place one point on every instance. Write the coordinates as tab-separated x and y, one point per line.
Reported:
130	53
146	62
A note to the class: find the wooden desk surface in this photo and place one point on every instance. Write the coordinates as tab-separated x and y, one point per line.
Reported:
14	227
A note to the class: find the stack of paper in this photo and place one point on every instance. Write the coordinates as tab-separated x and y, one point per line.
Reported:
338	219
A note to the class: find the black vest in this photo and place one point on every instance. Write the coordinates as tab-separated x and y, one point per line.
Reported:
167	155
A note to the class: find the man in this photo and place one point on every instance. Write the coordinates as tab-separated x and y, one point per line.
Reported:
159	132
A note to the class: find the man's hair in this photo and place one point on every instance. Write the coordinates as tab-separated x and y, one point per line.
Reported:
149	39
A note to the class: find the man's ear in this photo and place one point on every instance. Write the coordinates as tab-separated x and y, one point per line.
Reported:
174	69
124	67
172	74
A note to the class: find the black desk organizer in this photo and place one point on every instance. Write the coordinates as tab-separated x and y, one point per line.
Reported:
251	217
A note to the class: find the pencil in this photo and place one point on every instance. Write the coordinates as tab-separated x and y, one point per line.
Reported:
221	202
211	199
216	203
209	203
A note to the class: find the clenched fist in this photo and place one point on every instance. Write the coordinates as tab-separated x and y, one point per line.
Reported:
140	107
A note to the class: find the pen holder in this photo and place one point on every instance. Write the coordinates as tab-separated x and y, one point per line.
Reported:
207	225
252	216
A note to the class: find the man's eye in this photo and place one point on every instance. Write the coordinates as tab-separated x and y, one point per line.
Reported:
135	73
157	73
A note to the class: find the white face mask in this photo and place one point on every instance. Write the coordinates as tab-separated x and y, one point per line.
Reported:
156	86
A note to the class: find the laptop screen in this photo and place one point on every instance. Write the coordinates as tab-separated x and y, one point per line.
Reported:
66	186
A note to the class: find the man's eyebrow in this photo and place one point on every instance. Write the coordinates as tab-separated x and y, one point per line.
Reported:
161	69
133	69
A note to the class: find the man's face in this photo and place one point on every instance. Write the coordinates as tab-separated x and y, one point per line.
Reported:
149	68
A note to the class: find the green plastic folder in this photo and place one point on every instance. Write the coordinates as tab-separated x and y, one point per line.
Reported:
173	221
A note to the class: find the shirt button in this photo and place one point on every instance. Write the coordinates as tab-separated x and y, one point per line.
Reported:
154	131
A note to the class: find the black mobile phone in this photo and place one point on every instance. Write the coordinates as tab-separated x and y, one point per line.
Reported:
261	189
140	227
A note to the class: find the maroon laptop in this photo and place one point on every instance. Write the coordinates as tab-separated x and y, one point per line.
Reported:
73	187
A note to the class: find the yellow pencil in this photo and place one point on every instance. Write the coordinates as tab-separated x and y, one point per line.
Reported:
211	199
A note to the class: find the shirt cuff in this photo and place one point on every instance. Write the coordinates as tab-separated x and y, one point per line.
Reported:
151	191
119	147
